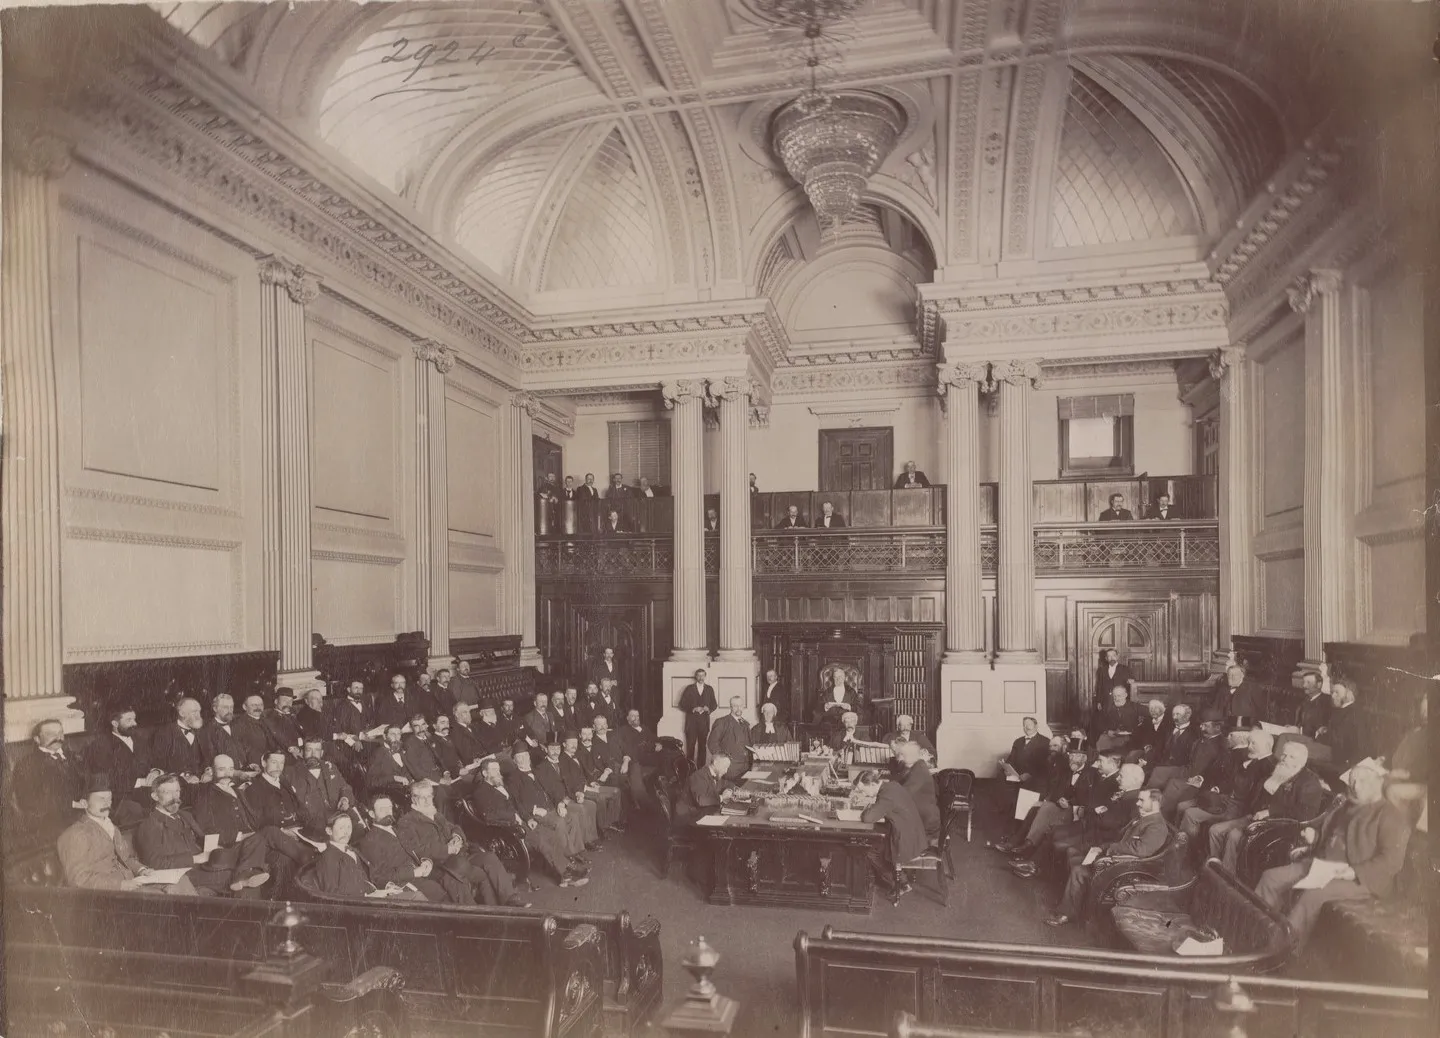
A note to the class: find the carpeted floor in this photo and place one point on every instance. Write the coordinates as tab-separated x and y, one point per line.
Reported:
756	945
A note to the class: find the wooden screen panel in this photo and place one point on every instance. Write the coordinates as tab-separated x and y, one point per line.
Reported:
1116	1012
498	966
1060	502
415	954
332	943
987	1001
914	507
869	508
863	999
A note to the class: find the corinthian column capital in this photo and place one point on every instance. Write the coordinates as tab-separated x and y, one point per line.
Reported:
302	286
1307	286
525	402
1016	372
443	357
674	390
1225	358
38	153
962	373
731	387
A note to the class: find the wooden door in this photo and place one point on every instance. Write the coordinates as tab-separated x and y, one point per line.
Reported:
624	628
549	458
1138	631
856	459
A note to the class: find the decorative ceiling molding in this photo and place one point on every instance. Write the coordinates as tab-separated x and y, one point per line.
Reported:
793	382
556	415
603	358
1104	369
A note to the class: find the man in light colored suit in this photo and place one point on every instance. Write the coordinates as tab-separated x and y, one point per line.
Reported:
95	855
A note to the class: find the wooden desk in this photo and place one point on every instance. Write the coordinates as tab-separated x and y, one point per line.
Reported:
771	857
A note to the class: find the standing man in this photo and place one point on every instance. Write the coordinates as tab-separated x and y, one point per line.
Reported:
605	667
772	693
697	700
731	736
617	488
1112	672
911	479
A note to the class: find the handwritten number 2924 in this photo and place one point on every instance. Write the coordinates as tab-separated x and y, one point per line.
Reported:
431	55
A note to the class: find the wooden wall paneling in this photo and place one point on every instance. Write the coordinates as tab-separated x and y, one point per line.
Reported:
1060	712
1060	502
1097	497
1056	629
869	508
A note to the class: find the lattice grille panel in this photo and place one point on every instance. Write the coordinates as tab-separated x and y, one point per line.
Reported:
1142	548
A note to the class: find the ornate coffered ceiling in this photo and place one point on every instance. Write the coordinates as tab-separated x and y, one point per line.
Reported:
571	185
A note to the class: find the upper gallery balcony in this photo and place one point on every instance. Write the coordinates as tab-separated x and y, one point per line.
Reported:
893	532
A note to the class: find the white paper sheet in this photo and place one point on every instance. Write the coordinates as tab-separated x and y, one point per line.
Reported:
754	773
212	841
1012	778
1091	855
1320	874
710	820
1273	729
162	876
1025	799
1190	946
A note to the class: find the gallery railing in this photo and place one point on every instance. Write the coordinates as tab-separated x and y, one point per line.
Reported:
1059	548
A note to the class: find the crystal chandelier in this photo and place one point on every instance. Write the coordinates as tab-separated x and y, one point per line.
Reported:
802	14
833	142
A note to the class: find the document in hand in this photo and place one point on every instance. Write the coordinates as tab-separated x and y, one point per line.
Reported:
212	841
1320	874
376	732
1091	855
1025	799
162	877
1273	729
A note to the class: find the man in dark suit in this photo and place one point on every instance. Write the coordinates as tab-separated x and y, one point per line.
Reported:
422	762
218	736
552	780
496	805
387	769
712	521
697	702
588	491
1107	807
1345	734
280	724
565	712
1025	764
485	738
894	804
175	748
539	723
636	746
1142	838
319	786
769	732
644	489
312	720
47	783
771	692
270	799
511	726
1117	512
339	871
220	809
532	800
1208	766
1113	727
601	759
1109	673
602	703
1291	791
829	519
607	666
793	520
397	705
731	736
1147	743
1241	703
578	782
911	479
569	491
1162	509
617	488
614	523
1170	757
1315	708
1363	842
914	774
249	728
170	838
352	719
463	686
704	790
1251	764
840	699
905	731
124	759
387	861
426	833
1067	790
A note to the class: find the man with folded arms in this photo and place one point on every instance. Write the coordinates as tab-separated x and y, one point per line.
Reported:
95	855
1292	790
390	864
426	833
532	801
1358	852
170	838
496	805
1143	837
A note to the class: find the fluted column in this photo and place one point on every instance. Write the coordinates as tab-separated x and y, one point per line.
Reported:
519	578
1233	371
1329	473
964	605
736	633
686	398
30	499
433	362
286	289
1016	583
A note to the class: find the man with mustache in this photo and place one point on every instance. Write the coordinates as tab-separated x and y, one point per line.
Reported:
124	759
170	838
280	723
220	809
318	785
1291	791
496	805
248	727
175	748
218	736
426	833
389	863
95	855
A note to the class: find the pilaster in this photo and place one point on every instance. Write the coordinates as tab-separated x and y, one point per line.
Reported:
30	502
959	386
286	289
518	580
433	362
686	398
1329	467
1016	583
1233	370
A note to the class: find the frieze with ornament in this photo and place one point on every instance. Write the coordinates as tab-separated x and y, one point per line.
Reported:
790	381
1068	296
611	354
1130	320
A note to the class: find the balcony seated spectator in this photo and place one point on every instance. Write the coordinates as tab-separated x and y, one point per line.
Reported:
614	523
1117	512
1162	509
792	520
911	478
829	519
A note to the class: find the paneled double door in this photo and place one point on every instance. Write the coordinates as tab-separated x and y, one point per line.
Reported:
1138	631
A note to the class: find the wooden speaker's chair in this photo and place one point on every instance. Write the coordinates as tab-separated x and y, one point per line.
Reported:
955	788
506	842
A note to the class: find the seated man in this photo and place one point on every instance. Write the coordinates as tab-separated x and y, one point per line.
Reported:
1251	764
539	722
1345	734
730	735
220	735
829	519
1241	703
704	791
792	520
485	738
911	479
602	775
1117	512
281	731
1148	741
95	855
565	711
1409	768
219	809
636	745
318	785
1066	791
496	805
1113	726
580	787
1358	853
1024	766
1291	790
906	732
1209	761
170	838
894	804
768	732
312	720
175	748
426	833
914	775
847	735
1315	708
533	801
1143	837
1056	776
1114	798
552	780
387	768
389	864
1170	757
339	871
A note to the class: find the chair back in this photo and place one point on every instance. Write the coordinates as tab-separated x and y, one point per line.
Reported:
1173	861
954	786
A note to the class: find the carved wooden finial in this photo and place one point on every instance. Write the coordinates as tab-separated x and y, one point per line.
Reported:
704	1010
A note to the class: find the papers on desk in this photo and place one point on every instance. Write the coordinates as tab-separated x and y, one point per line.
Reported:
1320	874
710	820
1025	800
162	877
212	841
1190	946
1090	856
754	773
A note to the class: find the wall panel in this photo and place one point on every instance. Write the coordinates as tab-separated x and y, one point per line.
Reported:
355	425
1282	429
474	601
356	597
472	438
1282	596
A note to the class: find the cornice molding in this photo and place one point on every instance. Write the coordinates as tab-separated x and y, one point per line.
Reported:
551	414
605	356
792	382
